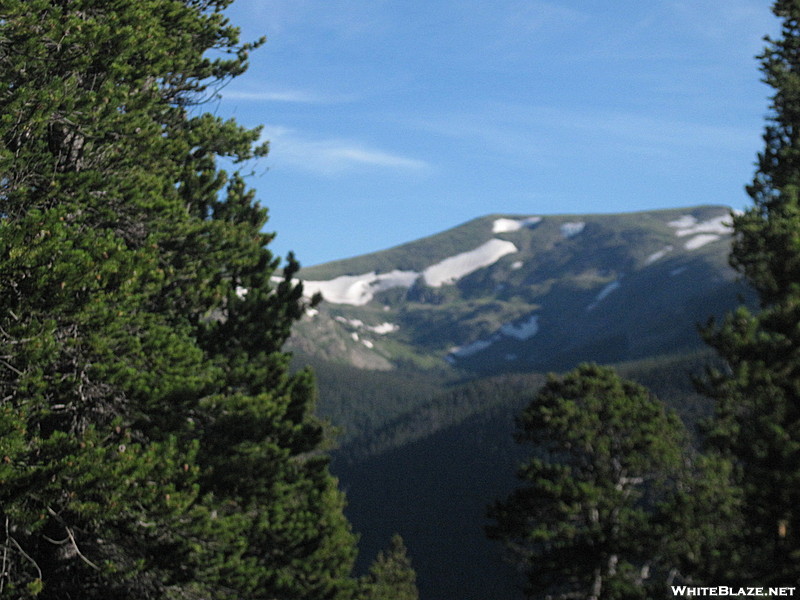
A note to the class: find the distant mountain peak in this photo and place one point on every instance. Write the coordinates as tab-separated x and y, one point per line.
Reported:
523	292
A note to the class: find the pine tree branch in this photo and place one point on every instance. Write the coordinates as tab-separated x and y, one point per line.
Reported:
71	537
12	368
26	555
4	573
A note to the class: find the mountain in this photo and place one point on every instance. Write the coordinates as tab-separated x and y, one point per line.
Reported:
521	293
425	352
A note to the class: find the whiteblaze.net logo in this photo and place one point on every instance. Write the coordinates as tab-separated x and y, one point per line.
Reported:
730	592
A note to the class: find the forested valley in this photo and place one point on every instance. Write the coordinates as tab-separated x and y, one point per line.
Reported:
161	437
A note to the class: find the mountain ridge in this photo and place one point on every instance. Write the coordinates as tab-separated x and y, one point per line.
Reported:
348	265
525	292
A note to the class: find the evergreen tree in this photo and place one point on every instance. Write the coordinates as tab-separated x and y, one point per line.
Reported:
588	521
153	443
757	418
391	576
702	523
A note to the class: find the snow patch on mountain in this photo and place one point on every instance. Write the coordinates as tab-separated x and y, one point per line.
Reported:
521	330
381	329
347	289
700	240
683	223
454	268
394	279
507	225
704	232
357	323
569	230
384	328
358	290
524	330
689	225
656	256
603	293
470	349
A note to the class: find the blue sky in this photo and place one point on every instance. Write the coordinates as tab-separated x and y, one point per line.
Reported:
389	121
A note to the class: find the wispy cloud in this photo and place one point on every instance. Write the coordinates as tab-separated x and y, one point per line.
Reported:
651	130
734	20
285	95
527	17
331	156
530	132
344	19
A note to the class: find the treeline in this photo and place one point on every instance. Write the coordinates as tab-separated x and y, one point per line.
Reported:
376	412
153	441
358	400
484	399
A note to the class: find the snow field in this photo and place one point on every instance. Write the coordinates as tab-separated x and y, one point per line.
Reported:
569	230
454	268
358	290
656	256
703	232
603	293
521	330
508	225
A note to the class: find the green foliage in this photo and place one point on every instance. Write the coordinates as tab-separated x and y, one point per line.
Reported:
153	443
757	416
433	463
587	521
362	402
482	399
391	576
704	518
